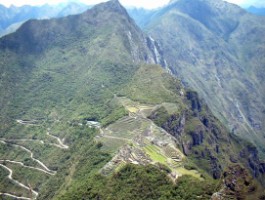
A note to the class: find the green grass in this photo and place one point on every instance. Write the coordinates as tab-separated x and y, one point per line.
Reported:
9	152
192	125
28	176
172	108
161	86
111	145
126	129
7	186
155	155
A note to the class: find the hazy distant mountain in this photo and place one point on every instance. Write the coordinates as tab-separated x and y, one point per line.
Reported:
256	11
11	18
88	112
140	15
218	49
72	9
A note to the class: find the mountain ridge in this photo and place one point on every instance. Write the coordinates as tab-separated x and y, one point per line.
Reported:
59	74
207	53
256	11
91	94
13	17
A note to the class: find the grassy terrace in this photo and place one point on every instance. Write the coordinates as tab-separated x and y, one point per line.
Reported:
155	154
135	139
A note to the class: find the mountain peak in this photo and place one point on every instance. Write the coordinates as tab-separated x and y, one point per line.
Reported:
45	32
115	1
109	19
218	16
113	5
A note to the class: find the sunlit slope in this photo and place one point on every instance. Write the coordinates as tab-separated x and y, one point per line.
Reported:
217	48
80	91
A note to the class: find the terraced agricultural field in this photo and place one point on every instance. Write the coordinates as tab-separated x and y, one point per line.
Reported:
32	151
136	139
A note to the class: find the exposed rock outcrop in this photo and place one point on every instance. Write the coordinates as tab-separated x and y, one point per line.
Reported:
201	137
238	184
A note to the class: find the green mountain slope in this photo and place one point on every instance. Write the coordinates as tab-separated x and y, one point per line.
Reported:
216	48
75	55
83	100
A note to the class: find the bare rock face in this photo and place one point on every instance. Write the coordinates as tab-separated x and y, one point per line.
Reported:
250	154
200	136
197	136
239	184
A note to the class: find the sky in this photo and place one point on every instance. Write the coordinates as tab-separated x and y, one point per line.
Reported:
137	3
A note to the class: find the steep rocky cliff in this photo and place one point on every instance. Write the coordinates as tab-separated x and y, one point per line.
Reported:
217	49
206	140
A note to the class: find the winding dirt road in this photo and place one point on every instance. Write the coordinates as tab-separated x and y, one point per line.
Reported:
61	144
26	166
31	123
43	169
17	182
32	157
13	196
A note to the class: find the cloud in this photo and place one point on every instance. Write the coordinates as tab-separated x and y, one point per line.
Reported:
247	3
142	3
138	3
145	3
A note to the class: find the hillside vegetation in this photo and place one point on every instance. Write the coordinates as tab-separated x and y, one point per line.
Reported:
217	49
87	112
